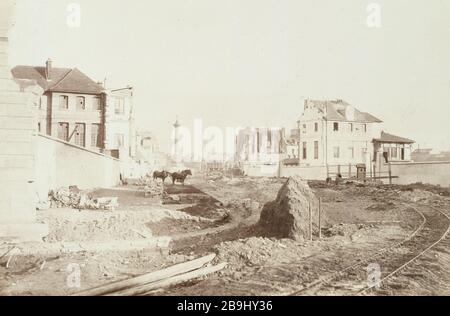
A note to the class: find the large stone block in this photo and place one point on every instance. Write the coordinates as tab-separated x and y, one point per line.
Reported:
288	216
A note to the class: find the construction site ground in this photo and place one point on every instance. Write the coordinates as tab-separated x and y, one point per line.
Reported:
219	216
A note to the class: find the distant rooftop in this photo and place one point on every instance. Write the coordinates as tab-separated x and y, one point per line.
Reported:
70	80
341	111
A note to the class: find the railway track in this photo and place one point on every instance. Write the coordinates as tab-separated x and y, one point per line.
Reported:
354	280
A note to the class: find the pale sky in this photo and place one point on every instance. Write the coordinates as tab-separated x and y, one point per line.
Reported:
251	62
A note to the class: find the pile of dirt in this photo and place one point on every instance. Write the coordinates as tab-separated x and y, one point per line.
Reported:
102	227
151	187
75	198
345	230
246	206
419	196
68	225
436	189
258	251
206	210
214	176
288	216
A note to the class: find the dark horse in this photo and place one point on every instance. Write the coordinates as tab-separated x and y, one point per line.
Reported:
160	175
180	176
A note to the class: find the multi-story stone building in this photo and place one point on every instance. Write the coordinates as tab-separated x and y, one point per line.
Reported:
72	107
336	133
76	109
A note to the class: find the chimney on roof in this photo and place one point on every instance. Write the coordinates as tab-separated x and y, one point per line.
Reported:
48	68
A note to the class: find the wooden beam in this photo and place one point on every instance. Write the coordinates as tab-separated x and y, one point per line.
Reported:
149	277
144	289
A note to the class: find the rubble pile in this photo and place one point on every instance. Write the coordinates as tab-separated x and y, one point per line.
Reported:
257	251
246	204
288	215
152	188
74	198
343	230
214	176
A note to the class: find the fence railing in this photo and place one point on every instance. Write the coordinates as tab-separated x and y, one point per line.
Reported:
350	171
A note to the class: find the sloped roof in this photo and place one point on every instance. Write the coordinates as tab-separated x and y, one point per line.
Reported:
61	79
335	111
389	138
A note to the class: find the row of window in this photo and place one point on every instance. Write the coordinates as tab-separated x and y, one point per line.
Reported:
78	135
336	151
337	126
119	106
80	103
350	127
305	150
395	153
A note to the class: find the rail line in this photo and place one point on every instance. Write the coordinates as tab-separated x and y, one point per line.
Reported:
352	280
409	262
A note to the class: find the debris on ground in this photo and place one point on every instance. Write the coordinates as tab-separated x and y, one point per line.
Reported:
151	187
382	206
220	216
147	282
288	216
214	176
345	230
74	198
253	251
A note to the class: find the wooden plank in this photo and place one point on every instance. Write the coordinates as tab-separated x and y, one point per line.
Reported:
149	277
144	289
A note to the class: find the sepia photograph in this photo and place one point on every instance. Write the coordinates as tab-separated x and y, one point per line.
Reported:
244	150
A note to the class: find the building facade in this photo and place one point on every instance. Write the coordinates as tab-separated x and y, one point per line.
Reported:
336	133
260	146
72	107
392	148
148	150
120	132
